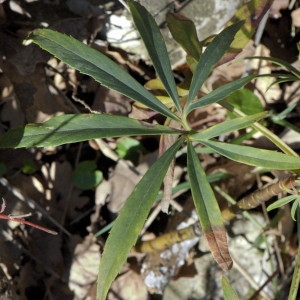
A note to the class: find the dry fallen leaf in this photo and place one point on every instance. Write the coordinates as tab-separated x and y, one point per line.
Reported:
296	17
84	268
129	285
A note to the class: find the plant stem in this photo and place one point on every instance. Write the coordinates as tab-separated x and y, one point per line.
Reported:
296	278
266	132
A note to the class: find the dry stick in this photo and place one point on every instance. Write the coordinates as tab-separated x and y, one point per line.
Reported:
248	277
274	240
32	204
157	210
168	239
259	291
20	219
257	39
260	196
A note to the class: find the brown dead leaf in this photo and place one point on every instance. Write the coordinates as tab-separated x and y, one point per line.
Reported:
124	180
218	245
6	285
240	181
166	141
141	114
11	112
111	102
128	286
70	200
84	268
10	254
296	17
34	97
46	249
277	6
6	88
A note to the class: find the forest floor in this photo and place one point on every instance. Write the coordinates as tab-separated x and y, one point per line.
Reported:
35	87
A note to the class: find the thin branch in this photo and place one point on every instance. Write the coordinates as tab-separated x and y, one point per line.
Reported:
32	204
20	219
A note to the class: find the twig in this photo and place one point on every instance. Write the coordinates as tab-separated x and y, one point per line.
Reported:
246	275
32	204
20	219
257	40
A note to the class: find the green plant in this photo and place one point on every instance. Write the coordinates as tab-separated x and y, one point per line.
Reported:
86	175
75	128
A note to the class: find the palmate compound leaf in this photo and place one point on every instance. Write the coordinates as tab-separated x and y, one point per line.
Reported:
208	210
95	64
131	219
262	129
76	128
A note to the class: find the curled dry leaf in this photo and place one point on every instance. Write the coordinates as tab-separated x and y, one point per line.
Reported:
217	241
84	267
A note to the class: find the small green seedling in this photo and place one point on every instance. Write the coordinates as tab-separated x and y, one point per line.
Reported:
86	176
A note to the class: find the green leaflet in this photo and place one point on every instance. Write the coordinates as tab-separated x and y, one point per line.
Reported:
255	157
210	57
76	128
226	127
156	48
95	64
228	291
131	219
208	210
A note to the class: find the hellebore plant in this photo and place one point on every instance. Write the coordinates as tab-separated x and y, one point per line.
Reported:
82	127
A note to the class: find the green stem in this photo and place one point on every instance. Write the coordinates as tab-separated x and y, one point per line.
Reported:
184	121
296	279
266	132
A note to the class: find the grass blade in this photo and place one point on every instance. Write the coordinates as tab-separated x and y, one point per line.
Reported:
296	278
130	221
282	202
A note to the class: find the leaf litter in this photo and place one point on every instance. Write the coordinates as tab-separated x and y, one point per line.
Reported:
35	87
